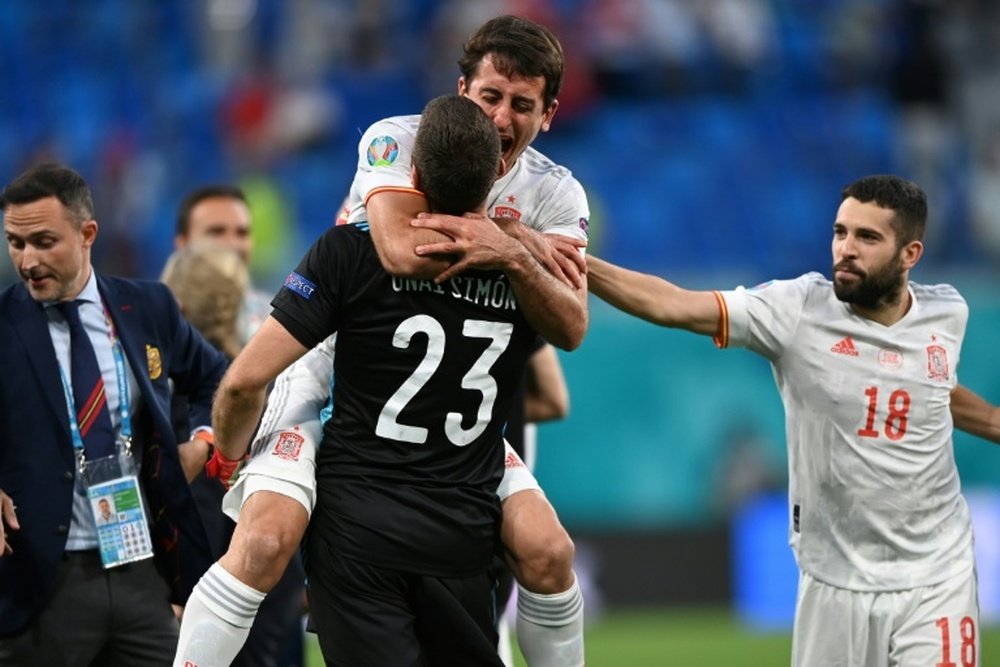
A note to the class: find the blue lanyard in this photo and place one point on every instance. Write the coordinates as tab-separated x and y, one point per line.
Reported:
125	418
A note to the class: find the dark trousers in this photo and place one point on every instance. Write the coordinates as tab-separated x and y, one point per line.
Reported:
367	615
106	618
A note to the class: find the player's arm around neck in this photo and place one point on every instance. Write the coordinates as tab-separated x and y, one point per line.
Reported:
557	311
389	215
240	397
972	414
560	255
654	299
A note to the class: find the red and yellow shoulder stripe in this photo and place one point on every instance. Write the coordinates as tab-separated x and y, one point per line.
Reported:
391	188
721	338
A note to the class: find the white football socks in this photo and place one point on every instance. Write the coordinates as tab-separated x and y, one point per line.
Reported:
217	620
504	649
550	627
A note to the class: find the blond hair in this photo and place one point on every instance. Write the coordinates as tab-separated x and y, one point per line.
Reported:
209	282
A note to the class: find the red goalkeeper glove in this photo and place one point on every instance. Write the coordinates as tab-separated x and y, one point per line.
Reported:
221	468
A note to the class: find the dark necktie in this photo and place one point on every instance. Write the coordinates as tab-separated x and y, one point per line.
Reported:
92	412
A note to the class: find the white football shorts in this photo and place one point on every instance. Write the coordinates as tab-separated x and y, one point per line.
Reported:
930	625
286	464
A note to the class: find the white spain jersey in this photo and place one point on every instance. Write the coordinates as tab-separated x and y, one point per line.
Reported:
536	191
875	499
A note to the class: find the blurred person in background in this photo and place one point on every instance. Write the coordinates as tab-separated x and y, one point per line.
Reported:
209	275
87	365
866	367
512	68
209	281
221	213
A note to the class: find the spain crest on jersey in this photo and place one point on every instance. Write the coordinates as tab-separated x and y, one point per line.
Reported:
937	363
288	446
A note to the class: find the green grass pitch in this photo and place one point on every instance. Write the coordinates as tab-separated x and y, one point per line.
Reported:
684	637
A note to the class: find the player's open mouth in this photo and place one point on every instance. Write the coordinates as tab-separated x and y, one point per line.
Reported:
506	143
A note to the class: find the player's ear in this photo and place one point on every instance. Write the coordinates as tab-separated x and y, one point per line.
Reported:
549	115
501	168
88	231
415	177
911	254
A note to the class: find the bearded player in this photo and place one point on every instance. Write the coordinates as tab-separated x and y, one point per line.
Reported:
866	367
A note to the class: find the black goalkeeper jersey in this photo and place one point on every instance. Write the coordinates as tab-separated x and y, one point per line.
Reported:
424	378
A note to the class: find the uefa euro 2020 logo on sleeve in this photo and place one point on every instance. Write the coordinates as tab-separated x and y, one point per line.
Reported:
382	151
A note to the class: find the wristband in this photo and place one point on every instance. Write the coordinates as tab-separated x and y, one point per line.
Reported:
206	436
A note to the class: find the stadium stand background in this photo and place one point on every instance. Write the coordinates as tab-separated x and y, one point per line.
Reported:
713	139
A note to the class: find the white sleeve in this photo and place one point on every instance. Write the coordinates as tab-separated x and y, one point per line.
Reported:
384	160
566	212
298	396
516	476
764	318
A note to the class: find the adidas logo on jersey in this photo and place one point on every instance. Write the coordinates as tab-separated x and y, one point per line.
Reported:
846	346
513	461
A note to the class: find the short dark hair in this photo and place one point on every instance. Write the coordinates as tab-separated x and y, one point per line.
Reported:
521	47
51	179
456	153
199	195
904	198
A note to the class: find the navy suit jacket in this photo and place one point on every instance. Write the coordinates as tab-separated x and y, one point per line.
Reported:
37	463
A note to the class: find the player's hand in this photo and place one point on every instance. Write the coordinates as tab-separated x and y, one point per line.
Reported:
192	455
476	242
8	520
568	256
221	468
559	254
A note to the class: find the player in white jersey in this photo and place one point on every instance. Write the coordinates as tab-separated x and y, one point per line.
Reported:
542	195
512	68
866	367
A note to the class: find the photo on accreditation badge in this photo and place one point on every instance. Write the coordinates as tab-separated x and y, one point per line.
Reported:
104	511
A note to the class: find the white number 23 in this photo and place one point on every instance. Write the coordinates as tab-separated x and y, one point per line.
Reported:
478	378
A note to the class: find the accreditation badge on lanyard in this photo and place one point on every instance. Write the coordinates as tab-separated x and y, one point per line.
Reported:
112	482
119	512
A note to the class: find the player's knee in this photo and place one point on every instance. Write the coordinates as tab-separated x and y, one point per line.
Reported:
264	555
547	568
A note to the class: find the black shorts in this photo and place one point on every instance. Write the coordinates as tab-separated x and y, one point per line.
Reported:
376	617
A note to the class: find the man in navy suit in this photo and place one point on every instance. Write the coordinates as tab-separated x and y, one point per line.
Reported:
66	597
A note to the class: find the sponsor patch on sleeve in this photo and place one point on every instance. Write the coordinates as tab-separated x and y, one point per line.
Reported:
300	285
383	151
